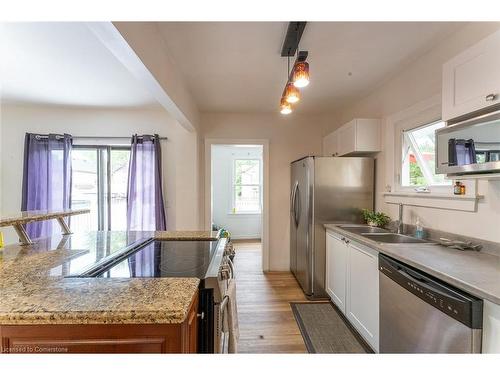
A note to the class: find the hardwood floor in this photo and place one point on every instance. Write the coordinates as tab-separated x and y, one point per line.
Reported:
266	320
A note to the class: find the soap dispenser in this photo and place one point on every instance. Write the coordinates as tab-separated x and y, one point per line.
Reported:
419	229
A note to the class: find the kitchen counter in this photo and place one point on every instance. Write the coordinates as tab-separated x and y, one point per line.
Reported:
24	217
34	289
188	235
474	272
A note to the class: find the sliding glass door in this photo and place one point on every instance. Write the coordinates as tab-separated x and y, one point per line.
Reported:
99	182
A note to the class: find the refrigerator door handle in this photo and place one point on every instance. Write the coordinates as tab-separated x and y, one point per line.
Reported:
296	206
292	196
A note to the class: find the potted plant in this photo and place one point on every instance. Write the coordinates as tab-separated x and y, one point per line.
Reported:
376	219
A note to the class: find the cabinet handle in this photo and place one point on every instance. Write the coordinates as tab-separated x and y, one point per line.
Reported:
491	97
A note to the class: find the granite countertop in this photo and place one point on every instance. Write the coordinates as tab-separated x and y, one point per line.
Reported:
187	235
475	272
34	289
24	217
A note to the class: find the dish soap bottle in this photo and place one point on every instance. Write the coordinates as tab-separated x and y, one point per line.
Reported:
419	229
457	188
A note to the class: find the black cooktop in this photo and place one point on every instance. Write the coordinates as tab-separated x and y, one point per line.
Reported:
166	259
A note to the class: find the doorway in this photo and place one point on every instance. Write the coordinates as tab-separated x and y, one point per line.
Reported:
236	190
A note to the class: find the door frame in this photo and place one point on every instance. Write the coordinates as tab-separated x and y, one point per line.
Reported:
265	195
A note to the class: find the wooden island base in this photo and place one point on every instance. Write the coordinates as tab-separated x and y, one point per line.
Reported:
103	338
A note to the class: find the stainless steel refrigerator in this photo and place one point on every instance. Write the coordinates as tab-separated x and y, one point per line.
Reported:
324	190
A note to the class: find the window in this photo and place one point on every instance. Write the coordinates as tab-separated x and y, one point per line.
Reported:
246	186
418	157
99	182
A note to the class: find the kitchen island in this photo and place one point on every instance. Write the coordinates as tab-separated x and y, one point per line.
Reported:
93	314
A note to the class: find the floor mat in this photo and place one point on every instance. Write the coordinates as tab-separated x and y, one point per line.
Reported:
324	330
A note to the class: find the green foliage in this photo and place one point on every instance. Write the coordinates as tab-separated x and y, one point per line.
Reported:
379	218
416	176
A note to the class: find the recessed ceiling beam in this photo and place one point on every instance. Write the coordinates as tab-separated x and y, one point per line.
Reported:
292	38
112	39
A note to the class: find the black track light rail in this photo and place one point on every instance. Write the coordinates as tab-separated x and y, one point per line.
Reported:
292	38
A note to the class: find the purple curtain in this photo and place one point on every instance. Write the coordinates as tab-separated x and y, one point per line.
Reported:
145	209
46	177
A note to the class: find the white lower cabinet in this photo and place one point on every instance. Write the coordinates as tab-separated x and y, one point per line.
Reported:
491	328
336	277
362	292
352	281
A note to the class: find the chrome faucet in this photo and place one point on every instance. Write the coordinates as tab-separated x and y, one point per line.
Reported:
400	219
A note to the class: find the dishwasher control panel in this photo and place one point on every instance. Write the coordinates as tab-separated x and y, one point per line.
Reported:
457	304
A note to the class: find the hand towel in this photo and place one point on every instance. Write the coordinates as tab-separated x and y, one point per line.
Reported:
232	317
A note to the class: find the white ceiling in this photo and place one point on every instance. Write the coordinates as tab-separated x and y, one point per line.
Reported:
236	67
59	63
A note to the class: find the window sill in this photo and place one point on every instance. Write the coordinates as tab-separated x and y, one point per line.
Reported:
244	213
434	200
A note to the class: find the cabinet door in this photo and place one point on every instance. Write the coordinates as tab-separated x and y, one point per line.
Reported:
192	332
91	338
347	138
471	80
363	293
491	328
330	144
336	267
367	135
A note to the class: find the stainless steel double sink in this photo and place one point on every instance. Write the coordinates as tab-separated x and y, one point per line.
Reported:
382	235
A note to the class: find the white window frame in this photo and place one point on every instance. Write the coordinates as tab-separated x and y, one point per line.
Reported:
233	187
425	112
104	217
412	121
407	137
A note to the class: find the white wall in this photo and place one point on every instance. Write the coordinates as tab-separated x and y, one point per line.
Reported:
416	83
241	226
290	137
180	153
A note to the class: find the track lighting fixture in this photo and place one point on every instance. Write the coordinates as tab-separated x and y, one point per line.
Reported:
298	76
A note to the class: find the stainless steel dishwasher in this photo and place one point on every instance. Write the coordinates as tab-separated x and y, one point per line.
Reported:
420	314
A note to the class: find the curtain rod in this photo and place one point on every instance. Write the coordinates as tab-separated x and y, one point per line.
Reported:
92	137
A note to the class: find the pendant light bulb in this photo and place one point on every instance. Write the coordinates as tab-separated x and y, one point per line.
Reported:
292	93
285	107
301	74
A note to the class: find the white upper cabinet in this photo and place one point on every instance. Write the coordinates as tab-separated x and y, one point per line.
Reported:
358	137
471	80
330	145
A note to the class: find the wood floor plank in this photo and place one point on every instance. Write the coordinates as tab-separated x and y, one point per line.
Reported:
267	324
